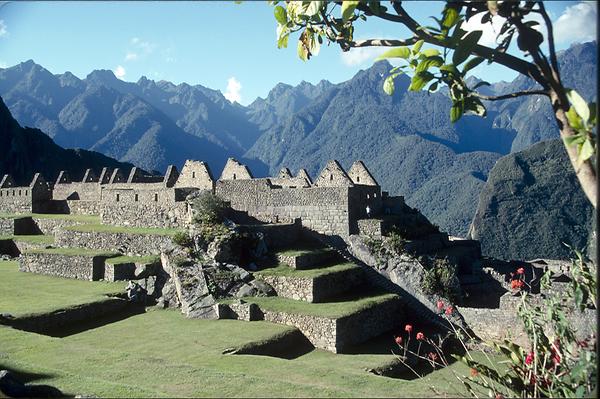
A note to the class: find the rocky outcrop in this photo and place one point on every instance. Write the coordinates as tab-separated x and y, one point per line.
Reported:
531	205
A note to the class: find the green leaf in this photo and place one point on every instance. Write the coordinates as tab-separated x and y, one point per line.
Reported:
430	52
574	119
282	42
449	68
465	47
314	7
348	8
429	62
450	17
456	111
388	85
417	46
280	15
579	104
398	52
302	51
586	152
472	63
420	80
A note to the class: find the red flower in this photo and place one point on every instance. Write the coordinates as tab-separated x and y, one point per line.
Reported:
516	284
432	356
520	270
449	310
474	373
529	358
408	328
499	396
440	305
398	340
420	336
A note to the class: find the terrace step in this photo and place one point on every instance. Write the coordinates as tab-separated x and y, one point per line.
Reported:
313	285
334	326
130	267
307	258
36	223
15	245
127	240
77	263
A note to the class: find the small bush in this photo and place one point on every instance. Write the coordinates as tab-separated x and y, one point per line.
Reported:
441	279
210	209
396	242
183	239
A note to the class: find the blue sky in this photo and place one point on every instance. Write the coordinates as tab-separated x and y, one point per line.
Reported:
222	45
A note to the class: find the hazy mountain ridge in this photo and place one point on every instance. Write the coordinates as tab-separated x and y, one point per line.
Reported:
27	151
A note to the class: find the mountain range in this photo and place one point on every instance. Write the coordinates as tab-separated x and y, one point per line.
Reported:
406	140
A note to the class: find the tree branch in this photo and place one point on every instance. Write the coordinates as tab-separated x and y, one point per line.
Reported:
382	42
512	95
509	61
551	47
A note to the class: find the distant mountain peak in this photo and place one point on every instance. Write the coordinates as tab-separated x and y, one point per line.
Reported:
101	76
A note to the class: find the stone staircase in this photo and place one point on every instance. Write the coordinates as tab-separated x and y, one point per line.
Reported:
323	295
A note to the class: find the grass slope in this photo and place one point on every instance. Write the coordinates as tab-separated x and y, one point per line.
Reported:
125	359
34	239
71	252
133	259
24	293
55	216
284	270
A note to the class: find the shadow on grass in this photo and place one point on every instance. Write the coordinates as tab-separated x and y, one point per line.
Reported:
288	345
14	383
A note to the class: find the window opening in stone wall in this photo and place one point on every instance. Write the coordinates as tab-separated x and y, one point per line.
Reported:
234	176
330	177
358	179
19	193
118	196
193	175
13	193
136	198
0	193
368	196
155	197
375	195
25	192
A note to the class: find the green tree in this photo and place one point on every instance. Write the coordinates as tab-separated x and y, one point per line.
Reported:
456	52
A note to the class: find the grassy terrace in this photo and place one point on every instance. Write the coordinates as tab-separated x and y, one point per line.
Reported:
304	251
74	218
104	228
133	259
332	310
26	293
35	239
284	270
71	252
116	360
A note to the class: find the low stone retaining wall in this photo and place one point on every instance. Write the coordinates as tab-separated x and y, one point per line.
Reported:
8	247
129	270
81	267
315	289
45	322
7	227
240	311
19	226
320	331
52	226
308	260
277	236
127	243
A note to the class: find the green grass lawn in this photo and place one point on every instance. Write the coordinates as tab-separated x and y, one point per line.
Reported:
34	239
104	228
25	293
162	354
133	259
71	252
285	270
332	310
304	251
75	218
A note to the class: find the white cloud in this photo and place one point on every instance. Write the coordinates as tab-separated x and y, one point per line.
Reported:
577	23
232	93
3	28
3	64
489	31
360	55
130	56
119	72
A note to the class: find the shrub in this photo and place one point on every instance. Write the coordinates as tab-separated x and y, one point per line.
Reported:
183	239
210	209
441	279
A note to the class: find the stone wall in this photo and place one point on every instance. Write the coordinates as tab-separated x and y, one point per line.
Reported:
16	200
195	174
143	205
323	209
7	226
370	227
84	207
81	267
77	191
127	243
291	287
50	226
320	331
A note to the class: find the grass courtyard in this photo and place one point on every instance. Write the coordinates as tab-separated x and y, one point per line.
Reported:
162	354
